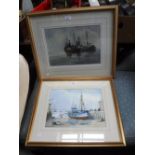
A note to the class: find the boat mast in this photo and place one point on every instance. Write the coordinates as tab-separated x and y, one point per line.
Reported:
82	103
87	37
74	38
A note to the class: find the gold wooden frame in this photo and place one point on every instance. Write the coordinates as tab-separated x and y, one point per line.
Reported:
113	8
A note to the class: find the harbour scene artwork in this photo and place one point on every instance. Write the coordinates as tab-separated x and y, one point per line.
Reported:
78	45
75	108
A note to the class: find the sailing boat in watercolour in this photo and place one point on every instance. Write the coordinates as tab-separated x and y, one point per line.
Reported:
79	113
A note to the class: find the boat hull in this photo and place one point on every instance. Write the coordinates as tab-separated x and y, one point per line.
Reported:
79	118
78	115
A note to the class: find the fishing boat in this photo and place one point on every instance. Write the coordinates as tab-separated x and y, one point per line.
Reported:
79	113
76	47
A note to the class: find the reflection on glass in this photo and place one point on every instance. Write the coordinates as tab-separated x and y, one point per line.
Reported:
69	136
83	137
93	136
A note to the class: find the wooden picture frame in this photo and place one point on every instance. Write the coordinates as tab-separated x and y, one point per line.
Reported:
75	83
105	69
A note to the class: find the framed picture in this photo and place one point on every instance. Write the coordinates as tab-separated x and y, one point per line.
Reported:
75	53
76	113
74	42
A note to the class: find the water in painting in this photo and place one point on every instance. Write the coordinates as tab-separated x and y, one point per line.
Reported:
75	108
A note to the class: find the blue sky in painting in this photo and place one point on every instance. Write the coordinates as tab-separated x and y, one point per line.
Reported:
63	100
